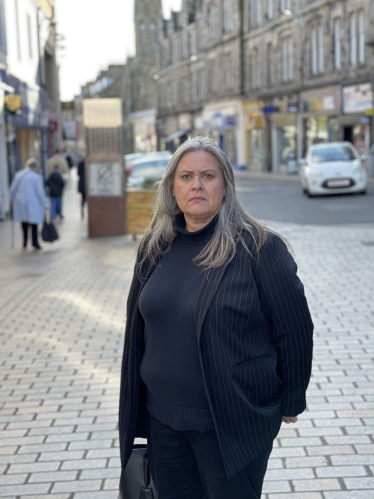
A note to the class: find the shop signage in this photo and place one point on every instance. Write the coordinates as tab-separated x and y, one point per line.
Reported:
13	102
105	179
33	110
218	120
270	109
364	120
357	98
67	105
293	107
370	112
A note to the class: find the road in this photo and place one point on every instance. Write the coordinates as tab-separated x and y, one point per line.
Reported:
285	202
62	318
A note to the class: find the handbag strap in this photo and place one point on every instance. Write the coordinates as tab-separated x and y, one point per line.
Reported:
20	182
146	470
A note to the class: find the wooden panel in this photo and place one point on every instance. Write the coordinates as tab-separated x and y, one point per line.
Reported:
139	210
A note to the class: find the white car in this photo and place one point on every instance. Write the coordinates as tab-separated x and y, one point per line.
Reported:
332	168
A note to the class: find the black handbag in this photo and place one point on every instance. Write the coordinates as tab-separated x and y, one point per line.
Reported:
136	481
49	232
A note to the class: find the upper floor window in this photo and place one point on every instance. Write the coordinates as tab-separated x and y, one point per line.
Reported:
269	64
270	9
212	22
361	37
255	68
287	59
29	35
228	70
255	13
317	50
227	15
353	39
2	27
213	78
152	38
285	5
193	86
192	42
337	44
142	32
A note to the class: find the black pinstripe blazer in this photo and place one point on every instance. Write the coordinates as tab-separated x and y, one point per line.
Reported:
254	335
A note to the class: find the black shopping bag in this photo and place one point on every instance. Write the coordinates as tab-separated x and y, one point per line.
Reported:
49	232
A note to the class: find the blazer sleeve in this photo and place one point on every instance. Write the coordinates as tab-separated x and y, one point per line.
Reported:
283	301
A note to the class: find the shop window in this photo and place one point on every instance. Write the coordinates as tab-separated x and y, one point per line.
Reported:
337	44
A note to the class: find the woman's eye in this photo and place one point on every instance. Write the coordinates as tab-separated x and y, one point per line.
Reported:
208	175
186	176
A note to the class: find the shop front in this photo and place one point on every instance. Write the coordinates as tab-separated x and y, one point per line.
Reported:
282	114
321	109
144	131
354	123
223	123
27	126
256	135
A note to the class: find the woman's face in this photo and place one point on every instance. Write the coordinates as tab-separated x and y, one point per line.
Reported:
198	186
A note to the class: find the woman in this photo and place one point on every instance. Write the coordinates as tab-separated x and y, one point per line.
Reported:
29	201
82	183
218	340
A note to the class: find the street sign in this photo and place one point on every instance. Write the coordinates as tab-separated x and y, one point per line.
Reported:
105	179
370	112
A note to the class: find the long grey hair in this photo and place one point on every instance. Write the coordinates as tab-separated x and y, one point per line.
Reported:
232	222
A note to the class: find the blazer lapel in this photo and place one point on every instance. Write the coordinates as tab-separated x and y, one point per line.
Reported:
209	286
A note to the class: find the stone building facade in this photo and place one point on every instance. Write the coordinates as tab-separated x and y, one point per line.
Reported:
266	78
139	89
200	80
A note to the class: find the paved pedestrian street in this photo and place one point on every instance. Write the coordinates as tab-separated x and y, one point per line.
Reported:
61	335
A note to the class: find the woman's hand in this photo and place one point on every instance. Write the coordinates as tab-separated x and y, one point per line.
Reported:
289	419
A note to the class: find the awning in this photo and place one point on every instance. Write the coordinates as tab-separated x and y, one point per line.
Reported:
175	135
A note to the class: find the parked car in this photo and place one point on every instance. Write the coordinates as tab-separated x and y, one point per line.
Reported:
129	161
148	170
371	160
331	168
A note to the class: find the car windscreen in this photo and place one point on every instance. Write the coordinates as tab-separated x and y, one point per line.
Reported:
150	168
326	154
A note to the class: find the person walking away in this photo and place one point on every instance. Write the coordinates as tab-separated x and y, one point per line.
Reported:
82	183
29	200
56	184
57	160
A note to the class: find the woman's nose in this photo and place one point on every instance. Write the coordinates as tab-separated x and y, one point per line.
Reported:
197	184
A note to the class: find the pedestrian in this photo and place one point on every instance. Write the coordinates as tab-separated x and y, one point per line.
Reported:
218	341
57	159
82	183
29	201
56	183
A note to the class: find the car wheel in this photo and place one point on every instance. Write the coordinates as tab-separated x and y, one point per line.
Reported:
309	194
363	192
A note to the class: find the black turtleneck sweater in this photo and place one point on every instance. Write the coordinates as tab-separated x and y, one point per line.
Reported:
170	366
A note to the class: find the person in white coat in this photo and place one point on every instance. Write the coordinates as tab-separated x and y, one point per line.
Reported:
29	200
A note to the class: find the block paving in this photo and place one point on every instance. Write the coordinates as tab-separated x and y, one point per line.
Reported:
62	319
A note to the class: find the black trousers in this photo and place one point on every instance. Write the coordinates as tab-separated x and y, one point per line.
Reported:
189	465
34	234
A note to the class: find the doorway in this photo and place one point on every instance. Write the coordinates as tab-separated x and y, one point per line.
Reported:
348	134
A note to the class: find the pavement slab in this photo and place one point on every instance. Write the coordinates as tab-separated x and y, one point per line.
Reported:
62	320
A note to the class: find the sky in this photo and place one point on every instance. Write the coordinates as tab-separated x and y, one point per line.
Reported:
94	37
